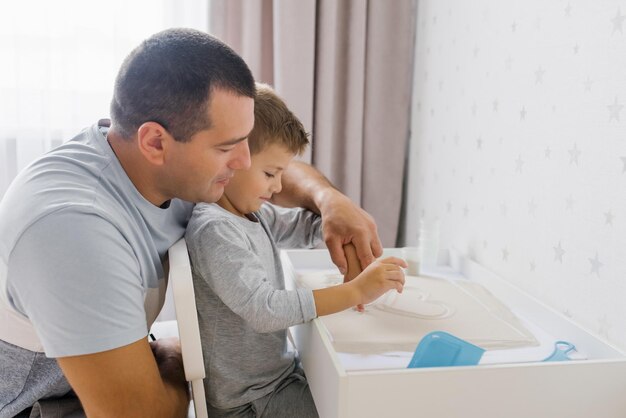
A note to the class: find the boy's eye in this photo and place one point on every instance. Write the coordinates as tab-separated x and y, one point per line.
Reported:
269	175
226	149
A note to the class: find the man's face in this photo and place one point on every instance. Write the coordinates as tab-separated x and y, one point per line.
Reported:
201	167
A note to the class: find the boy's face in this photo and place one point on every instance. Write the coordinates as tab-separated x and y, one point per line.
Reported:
249	189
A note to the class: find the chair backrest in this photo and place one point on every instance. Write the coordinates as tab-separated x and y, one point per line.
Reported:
188	328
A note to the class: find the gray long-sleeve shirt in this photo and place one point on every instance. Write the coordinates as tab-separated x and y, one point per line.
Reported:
243	307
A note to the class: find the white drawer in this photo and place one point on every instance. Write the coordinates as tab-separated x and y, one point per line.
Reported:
594	387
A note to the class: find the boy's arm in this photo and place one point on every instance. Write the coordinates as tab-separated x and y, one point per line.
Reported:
292	227
342	221
223	260
130	381
376	279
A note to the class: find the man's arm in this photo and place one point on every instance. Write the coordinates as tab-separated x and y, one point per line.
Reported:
128	382
83	294
343	222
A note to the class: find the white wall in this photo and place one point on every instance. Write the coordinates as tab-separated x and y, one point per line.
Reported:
519	146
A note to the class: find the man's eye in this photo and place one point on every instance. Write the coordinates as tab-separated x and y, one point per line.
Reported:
227	149
269	175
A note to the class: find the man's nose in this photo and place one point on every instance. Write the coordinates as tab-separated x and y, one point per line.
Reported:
241	157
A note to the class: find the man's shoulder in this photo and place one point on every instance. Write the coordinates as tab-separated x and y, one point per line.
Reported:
75	169
54	181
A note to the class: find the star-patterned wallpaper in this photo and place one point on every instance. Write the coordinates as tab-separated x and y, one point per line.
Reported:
518	147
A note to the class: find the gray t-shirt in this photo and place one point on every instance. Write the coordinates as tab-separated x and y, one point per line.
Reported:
243	307
80	259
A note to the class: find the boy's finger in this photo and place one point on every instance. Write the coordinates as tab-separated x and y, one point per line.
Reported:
395	260
396	276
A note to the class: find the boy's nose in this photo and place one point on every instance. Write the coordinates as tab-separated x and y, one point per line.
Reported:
277	187
241	157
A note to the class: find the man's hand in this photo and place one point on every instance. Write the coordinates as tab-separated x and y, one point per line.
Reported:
128	382
354	268
168	356
343	223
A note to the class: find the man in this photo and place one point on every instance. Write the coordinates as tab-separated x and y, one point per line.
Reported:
85	228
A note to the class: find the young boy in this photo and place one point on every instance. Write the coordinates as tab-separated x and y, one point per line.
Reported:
243	307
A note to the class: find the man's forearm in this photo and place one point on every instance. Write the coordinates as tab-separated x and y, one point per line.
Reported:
343	221
303	186
178	395
128	382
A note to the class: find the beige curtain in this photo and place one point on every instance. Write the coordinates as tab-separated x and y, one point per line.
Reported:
344	67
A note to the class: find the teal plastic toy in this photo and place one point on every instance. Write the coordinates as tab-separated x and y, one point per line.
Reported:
561	351
440	349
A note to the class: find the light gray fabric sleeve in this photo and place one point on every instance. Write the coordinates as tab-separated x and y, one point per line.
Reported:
74	276
292	227
222	256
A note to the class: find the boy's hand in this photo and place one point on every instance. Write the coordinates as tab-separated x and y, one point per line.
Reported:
379	277
343	222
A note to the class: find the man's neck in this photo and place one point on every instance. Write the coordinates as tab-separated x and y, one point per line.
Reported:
136	168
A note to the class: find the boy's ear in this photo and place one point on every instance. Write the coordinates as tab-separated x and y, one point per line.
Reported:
151	138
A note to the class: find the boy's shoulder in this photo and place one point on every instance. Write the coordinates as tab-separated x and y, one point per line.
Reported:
205	214
209	209
211	223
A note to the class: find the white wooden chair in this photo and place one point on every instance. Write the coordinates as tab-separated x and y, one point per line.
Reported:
188	328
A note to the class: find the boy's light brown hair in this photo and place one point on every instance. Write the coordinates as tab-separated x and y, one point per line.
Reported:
275	124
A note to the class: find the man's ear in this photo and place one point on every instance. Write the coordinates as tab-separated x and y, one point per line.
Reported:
151	139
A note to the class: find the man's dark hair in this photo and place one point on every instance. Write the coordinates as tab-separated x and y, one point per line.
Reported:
169	78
